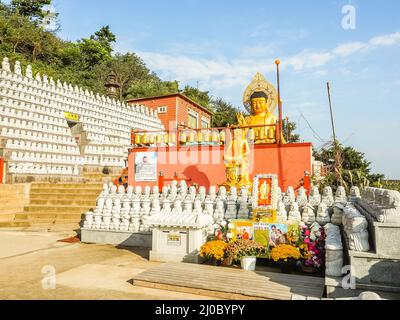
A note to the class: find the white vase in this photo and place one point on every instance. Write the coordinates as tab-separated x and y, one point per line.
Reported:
248	263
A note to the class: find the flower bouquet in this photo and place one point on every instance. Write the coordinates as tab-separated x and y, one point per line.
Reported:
286	256
223	231
214	250
314	240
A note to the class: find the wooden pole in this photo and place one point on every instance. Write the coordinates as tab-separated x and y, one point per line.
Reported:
278	62
337	154
332	116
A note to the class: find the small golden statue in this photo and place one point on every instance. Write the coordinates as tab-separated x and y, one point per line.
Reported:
237	162
265	191
261	98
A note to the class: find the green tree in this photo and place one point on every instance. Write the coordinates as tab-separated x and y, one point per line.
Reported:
346	166
224	113
151	87
33	9
97	49
201	97
37	42
15	32
4	8
129	68
105	37
93	53
288	132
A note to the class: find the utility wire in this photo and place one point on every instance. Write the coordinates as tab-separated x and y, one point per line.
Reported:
316	135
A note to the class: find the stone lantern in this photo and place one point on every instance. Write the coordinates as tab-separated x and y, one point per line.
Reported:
112	86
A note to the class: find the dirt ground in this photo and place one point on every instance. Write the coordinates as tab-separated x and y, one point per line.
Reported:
35	265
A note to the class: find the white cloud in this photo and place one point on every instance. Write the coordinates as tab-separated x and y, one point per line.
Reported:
225	73
386	40
308	59
350	48
220	73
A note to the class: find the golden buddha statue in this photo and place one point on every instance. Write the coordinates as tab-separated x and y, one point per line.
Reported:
261	98
237	162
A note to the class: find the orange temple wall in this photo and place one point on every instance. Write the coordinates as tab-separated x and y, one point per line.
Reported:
205	166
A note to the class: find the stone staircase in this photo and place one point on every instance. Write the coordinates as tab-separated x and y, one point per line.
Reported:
99	177
57	207
12	201
60	206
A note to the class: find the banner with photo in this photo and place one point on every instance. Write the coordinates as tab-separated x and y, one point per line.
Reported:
268	235
146	166
244	229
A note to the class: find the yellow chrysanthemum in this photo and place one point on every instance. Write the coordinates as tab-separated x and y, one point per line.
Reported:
214	249
285	252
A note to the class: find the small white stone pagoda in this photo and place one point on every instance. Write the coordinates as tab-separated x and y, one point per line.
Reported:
178	237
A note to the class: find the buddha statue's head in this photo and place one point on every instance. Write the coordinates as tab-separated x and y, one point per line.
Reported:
259	103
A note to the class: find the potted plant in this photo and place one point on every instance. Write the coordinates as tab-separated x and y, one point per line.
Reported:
245	251
214	251
286	256
223	232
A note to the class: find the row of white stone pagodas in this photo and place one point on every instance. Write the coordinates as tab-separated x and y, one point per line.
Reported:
133	205
322	209
129	210
34	131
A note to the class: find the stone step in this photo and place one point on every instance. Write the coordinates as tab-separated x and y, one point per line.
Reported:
15	224
11	210
77	189
90	175
65	227
10	196
21	216
67	186
70	202
68	191
55	221
42	217
6	217
64	196
7	202
56	209
56	215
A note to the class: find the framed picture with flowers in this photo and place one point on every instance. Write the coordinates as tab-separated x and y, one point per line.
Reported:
265	192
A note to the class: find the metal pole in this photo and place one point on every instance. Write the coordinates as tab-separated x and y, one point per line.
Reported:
278	62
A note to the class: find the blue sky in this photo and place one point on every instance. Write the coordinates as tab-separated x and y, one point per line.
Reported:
222	44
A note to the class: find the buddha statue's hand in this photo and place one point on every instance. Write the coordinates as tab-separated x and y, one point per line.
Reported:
241	119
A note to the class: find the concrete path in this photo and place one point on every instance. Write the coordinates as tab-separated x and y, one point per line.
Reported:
82	271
